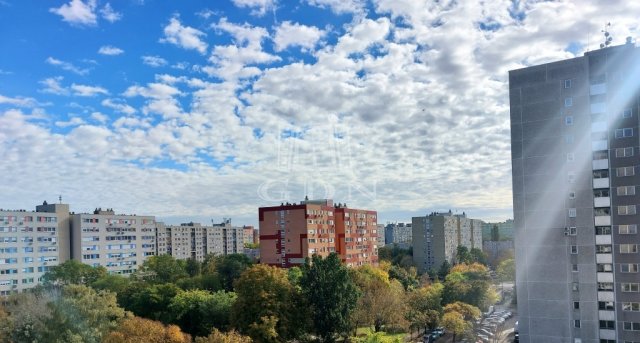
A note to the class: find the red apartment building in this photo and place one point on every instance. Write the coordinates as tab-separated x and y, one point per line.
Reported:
289	233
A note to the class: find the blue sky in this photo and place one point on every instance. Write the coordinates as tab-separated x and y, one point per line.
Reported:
192	110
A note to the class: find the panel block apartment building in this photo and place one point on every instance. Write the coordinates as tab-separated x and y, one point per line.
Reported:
436	238
575	157
289	233
31	242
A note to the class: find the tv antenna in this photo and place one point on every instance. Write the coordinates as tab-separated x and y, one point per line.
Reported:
607	36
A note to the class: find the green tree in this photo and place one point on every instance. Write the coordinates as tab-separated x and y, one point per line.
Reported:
471	284
163	269
507	270
463	255
30	313
445	267
113	283
425	306
381	299
224	337
268	305
5	325
458	318
407	277
153	301
193	267
198	312
230	267
478	256
80	314
331	293
73	272
141	330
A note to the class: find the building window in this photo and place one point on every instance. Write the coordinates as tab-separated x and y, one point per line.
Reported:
626	113
628	248
603	249
572	195
605	286
604	267
574	267
606	305
623	133
603	230
631	307
631	326
627	210
626	190
567	83
628	267
568	102
576	323
625	171
630	287
574	249
572	231
568	139
624	152
568	120
575	287
572	212
628	229
608	324
570	157
576	305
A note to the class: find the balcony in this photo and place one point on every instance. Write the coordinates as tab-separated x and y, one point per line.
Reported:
597	89
603	239
606	315
602	220
600	164
599	145
605	296
600	107
601	183
600	126
604	258
601	201
607	334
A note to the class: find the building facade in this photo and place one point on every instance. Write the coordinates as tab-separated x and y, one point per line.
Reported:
436	238
292	232
575	158
398	233
30	244
505	230
193	240
120	243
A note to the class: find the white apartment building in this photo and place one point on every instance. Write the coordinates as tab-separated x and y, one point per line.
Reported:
193	240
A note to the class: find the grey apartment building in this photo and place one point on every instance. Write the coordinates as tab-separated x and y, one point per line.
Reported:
117	242
575	159
436	238
31	242
193	240
398	233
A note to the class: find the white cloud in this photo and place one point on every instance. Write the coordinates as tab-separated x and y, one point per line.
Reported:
4	72
18	101
110	50
52	85
99	117
78	12
75	121
109	14
88	91
259	7
288	34
184	36
161	99
340	6
67	66
118	105
154	61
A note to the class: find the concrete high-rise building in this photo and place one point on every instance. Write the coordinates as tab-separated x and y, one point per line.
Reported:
30	244
505	230
120	243
193	240
398	233
575	157
436	238
292	232
381	238
249	234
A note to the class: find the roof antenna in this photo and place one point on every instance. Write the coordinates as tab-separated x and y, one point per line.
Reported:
607	36
60	198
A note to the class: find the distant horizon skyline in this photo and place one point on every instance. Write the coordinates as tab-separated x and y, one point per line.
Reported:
198	109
